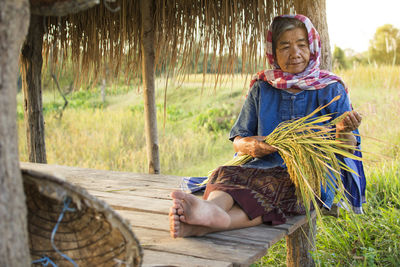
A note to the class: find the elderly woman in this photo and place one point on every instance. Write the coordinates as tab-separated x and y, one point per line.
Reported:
261	191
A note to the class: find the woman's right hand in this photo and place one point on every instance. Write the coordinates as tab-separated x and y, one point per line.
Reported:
349	123
253	146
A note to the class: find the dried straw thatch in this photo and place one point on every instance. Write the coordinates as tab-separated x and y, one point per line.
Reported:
60	7
107	36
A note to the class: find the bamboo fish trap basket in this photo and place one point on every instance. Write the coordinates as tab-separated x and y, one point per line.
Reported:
69	227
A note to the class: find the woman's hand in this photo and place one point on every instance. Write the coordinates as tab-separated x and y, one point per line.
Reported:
345	127
253	146
349	123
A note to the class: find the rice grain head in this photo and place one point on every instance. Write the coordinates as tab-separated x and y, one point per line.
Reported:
310	150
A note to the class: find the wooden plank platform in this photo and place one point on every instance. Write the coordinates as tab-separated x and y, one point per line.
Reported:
144	200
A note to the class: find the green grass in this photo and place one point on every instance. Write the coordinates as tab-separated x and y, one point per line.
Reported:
371	239
193	140
192	134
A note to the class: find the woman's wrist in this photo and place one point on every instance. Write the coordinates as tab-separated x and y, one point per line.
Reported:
253	146
343	133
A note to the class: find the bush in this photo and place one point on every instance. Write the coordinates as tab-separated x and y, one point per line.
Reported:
216	119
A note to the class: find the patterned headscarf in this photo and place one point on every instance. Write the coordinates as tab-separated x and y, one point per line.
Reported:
312	78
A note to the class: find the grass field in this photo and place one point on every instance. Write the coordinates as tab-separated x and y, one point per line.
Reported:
193	129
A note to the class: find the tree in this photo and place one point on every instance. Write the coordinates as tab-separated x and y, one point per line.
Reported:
300	241
385	47
31	65
148	62
316	12
339	58
14	250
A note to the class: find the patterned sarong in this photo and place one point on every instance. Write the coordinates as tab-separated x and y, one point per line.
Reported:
258	192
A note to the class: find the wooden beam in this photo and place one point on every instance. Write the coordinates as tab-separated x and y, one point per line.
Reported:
299	244
316	12
147	8
14	248
31	66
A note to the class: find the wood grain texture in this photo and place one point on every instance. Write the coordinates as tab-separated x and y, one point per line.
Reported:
158	258
144	200
298	245
147	8
316	12
31	68
14	249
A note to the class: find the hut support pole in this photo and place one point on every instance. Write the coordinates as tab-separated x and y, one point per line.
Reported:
302	240
14	248
299	244
31	66
147	8
316	12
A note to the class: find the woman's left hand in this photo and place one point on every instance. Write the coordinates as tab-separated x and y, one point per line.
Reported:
350	122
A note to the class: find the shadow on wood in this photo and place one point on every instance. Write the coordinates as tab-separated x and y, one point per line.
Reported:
144	200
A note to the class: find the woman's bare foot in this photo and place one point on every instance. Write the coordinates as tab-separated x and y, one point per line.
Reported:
188	212
180	229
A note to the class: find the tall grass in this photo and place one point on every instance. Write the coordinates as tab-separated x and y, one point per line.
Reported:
110	136
375	93
194	140
371	239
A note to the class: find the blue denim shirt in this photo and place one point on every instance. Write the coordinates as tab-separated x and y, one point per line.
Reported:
265	107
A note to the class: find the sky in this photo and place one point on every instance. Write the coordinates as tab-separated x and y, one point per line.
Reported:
353	23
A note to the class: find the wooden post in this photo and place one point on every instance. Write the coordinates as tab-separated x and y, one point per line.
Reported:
31	66
299	244
147	8
14	249
316	12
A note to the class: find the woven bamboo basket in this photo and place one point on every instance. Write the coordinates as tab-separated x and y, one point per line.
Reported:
90	232
60	7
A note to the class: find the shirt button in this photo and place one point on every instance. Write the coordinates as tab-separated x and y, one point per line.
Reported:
293	97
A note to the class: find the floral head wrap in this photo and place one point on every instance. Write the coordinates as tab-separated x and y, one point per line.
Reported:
312	78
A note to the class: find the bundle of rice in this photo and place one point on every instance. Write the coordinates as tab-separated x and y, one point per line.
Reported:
310	150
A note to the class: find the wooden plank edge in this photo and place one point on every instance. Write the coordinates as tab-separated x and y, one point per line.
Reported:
161	258
294	223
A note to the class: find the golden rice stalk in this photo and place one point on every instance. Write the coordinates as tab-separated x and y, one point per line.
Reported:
309	149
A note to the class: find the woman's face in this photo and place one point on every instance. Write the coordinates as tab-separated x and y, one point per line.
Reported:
292	51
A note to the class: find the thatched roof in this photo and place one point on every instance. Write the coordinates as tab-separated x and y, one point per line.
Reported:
60	7
107	36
